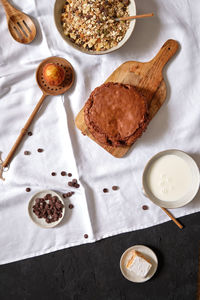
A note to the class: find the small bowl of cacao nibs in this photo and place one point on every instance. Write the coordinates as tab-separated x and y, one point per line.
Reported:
46	208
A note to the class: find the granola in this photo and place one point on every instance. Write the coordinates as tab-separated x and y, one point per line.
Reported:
91	24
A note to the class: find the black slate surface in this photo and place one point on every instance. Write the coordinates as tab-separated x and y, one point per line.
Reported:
91	272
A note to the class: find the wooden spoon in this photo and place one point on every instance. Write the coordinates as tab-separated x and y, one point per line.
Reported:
20	25
47	90
166	212
172	218
134	17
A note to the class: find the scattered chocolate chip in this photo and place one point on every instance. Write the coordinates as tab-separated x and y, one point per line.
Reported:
70	174
40	150
63	173
30	133
74	183
115	187
145	207
67	195
85	236
27	152
105	190
28	189
53	174
71	206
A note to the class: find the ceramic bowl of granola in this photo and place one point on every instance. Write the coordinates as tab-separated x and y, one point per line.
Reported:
90	26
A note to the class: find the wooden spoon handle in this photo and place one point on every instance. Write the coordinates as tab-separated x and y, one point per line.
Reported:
172	218
135	17
9	9
23	132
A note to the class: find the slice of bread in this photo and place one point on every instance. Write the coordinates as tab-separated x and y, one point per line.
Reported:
138	264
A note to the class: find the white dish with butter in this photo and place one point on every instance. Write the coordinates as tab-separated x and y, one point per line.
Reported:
171	179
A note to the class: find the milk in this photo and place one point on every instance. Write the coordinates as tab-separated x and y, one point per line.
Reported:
169	178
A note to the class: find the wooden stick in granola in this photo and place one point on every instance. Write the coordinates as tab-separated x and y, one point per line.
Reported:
134	17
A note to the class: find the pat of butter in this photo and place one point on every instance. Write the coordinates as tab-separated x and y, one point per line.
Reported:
138	264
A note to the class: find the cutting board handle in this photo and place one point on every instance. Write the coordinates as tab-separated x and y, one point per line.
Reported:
168	50
152	70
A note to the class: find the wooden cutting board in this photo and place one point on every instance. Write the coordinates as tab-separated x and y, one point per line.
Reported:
148	78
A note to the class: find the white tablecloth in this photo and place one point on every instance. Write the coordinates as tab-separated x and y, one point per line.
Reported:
95	213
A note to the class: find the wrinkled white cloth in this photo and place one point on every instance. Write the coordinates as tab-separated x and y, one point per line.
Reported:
95	213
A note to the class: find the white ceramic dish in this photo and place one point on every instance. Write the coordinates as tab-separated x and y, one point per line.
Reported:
191	192
57	15
41	222
148	254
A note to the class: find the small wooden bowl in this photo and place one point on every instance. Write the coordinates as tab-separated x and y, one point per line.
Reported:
57	18
62	88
